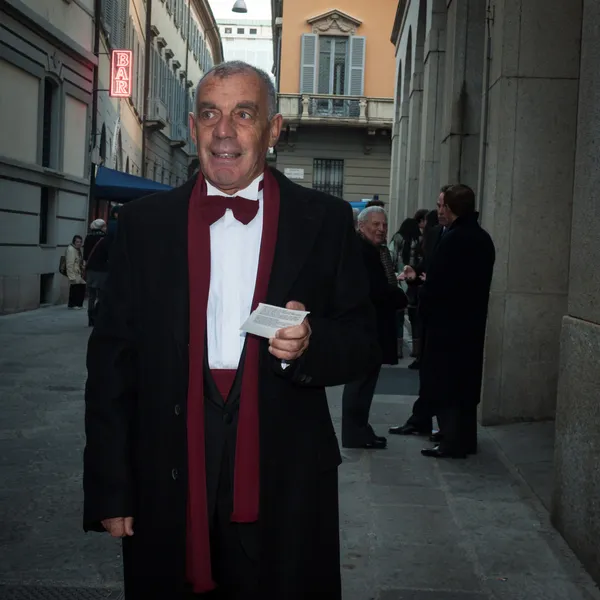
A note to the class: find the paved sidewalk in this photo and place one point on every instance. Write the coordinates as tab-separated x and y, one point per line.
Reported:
412	528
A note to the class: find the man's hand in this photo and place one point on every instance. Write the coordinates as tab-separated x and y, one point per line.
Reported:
290	343
119	527
409	273
423	277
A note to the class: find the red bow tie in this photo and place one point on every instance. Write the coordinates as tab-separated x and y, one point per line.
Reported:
214	208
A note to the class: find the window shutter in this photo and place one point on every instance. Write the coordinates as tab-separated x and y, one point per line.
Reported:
108	12
308	63
356	64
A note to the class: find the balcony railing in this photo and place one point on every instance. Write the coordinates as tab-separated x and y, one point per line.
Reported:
330	109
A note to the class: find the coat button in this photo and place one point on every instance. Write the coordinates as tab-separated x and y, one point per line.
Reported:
227	418
177	410
174	473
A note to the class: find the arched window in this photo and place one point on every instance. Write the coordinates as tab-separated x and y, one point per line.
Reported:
127	165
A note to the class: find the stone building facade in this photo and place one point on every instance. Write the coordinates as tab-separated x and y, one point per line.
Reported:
334	74
503	95
185	44
46	72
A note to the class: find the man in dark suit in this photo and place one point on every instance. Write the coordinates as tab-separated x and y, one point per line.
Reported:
454	305
420	421
387	298
211	453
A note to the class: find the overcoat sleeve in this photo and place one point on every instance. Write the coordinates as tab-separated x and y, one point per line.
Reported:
343	344
110	394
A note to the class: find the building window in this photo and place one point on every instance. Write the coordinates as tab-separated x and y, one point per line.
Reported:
50	124
328	176
332	65
253	31
228	30
47	215
240	30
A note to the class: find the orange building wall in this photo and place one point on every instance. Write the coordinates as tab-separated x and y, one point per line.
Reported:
377	18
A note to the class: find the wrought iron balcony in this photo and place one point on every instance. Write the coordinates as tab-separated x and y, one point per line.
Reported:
356	111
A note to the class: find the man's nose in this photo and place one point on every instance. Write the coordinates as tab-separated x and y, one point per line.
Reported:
225	127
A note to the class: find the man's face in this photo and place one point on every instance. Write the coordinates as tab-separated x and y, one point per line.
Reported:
374	228
232	130
443	211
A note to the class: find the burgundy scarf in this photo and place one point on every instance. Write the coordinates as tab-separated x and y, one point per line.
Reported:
246	473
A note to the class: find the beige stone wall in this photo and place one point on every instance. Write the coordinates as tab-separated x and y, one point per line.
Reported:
576	511
365	174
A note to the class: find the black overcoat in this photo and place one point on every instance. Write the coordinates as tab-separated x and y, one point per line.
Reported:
136	395
453	304
386	299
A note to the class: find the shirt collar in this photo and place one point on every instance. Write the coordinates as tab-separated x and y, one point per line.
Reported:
249	193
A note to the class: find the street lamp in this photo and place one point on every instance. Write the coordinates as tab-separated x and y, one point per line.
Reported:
239	7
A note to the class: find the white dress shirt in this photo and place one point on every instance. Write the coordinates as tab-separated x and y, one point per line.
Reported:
234	255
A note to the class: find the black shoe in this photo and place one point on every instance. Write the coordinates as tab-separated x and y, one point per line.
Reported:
408	429
376	443
436	437
415	365
439	452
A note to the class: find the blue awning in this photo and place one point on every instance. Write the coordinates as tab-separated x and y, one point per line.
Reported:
122	187
359	204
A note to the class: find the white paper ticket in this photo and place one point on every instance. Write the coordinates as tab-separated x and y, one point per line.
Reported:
267	319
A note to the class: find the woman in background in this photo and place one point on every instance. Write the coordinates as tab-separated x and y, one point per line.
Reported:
74	260
406	249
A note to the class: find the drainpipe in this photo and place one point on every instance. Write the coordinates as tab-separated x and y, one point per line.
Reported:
187	53
147	50
92	198
487	61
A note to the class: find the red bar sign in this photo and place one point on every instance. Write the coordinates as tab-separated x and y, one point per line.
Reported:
120	73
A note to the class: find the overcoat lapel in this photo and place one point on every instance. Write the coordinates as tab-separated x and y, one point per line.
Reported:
176	269
296	235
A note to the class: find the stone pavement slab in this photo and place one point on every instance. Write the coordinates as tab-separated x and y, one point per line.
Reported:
412	528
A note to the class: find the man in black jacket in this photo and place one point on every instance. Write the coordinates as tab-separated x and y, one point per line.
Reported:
95	256
453	304
387	298
175	389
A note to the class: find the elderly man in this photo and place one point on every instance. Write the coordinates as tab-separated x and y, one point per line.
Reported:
211	453
387	299
95	256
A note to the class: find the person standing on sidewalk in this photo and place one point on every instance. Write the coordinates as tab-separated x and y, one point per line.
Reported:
95	256
211	453
74	262
387	298
454	303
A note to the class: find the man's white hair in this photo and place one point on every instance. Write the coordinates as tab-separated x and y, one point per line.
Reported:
363	217
237	67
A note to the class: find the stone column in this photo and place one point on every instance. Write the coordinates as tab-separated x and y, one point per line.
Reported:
433	107
462	94
575	510
415	109
394	201
403	128
527	200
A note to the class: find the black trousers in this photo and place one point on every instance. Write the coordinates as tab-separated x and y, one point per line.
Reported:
94	295
356	405
76	294
459	427
234	548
